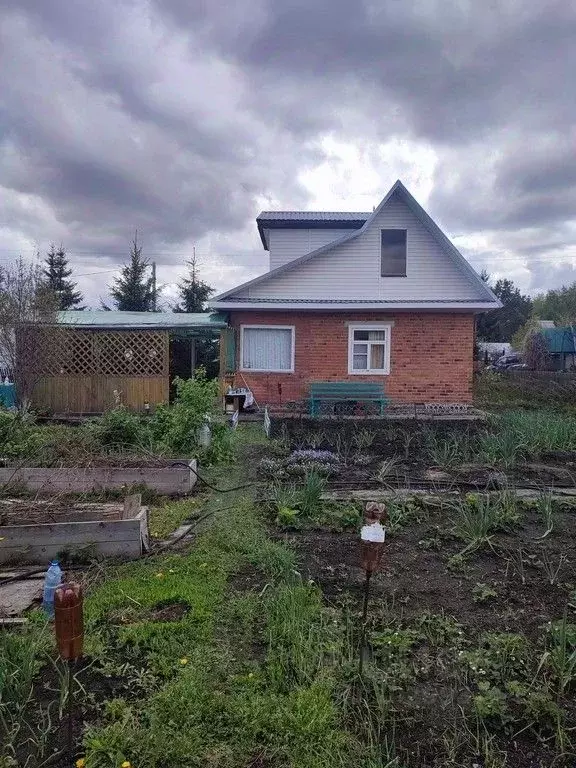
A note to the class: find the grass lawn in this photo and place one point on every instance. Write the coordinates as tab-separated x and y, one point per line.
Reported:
241	651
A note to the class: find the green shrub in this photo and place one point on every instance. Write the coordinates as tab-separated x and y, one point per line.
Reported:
177	427
117	428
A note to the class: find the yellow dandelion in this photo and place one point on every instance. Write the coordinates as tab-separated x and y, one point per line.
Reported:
159	575
126	764
80	763
184	661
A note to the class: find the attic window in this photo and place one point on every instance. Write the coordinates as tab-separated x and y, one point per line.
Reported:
393	253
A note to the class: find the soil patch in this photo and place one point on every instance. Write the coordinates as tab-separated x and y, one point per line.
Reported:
490	591
173	611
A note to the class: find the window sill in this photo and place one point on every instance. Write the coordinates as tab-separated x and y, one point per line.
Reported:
377	372
264	370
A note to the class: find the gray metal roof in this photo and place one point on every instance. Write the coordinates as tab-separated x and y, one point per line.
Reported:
313	216
99	318
274	300
308	220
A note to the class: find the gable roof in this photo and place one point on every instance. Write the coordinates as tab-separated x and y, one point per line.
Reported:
308	220
488	296
559	340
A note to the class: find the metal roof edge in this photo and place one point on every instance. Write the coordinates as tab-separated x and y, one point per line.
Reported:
287	304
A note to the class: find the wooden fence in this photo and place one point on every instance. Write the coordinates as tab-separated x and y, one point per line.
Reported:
85	368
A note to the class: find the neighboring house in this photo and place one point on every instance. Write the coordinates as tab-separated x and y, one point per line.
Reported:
561	343
494	349
381	296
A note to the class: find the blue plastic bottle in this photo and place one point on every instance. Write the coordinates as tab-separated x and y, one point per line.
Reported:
52	580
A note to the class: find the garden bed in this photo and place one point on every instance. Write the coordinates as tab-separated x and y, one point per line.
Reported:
162	479
531	450
461	647
36	532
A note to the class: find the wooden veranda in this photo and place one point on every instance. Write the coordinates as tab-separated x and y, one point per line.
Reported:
99	359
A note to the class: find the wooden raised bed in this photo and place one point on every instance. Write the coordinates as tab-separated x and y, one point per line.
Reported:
169	480
101	530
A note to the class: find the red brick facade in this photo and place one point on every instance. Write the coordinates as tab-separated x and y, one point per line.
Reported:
431	357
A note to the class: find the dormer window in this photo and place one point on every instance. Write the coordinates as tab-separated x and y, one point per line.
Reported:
393	252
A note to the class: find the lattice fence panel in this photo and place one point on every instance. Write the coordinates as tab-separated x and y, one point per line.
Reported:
131	354
73	352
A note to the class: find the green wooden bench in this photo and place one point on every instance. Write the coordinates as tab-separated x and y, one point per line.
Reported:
346	391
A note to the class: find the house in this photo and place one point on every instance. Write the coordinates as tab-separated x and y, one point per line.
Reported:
97	358
381	296
492	350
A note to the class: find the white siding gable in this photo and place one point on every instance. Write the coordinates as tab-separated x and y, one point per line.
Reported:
288	244
352	270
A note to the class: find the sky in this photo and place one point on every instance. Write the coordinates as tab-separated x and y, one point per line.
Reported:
183	119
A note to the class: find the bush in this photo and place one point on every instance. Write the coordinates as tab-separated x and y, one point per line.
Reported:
118	427
177	427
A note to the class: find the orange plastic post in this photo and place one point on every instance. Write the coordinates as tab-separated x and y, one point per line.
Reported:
69	620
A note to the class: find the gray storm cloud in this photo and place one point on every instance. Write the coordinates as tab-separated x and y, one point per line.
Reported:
179	118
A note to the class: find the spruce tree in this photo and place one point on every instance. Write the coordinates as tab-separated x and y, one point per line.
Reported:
57	274
194	293
134	290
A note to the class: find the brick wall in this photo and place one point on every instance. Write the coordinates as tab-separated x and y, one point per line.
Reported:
430	361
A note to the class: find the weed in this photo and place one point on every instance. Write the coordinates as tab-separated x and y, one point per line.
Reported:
310	497
501	449
446	452
499	658
482	593
515	563
341	516
490	703
344	446
475	519
387	469
545	508
285	499
552	567
561	654
21	656
363	439
439	629
403	512
316	439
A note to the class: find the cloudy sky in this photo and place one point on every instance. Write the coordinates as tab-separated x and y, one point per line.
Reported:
184	118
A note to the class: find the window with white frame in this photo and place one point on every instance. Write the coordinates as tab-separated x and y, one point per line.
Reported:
267	348
369	348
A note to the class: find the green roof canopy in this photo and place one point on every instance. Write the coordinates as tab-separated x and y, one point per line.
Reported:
99	319
559	340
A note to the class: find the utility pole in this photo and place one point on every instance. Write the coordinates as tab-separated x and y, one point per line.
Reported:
154	286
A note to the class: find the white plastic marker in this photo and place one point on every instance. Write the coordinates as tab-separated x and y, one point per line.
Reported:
374	532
